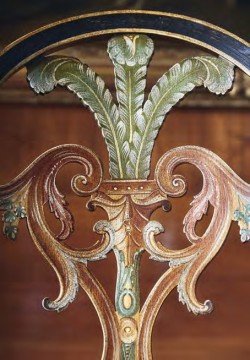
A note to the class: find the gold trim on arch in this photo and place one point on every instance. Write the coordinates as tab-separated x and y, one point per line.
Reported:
140	30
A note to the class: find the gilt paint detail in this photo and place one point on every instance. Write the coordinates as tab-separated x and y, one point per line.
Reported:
129	124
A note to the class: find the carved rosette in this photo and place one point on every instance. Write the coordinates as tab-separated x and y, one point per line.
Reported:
128	198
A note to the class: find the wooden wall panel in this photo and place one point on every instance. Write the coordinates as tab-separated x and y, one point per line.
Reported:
27	331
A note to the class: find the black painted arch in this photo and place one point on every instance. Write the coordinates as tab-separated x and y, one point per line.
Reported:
188	29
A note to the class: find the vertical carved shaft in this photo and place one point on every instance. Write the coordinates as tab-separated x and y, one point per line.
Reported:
127	299
129	206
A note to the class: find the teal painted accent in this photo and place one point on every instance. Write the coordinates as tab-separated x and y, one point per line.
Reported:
127	285
242	215
128	351
13	212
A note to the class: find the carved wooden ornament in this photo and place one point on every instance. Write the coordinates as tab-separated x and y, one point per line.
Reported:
129	124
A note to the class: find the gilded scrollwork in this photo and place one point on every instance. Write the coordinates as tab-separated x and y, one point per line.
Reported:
36	187
221	189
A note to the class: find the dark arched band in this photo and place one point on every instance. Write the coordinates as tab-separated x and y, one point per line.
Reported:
67	31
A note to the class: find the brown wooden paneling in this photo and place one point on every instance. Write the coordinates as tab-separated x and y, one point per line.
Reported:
29	332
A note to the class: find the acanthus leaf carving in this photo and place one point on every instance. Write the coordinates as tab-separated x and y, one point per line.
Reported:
220	186
36	186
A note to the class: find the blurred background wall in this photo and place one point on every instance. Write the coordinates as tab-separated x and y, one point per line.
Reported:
31	124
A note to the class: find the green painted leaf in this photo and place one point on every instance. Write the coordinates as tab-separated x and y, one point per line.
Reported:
90	88
130	129
14	211
20	212
216	74
6	204
130	55
9	216
10	231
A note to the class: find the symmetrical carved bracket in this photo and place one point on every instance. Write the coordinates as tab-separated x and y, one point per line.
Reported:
128	232
129	199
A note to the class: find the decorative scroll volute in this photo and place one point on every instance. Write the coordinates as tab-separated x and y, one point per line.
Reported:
222	189
36	186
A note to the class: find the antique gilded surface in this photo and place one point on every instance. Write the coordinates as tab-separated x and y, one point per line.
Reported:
129	124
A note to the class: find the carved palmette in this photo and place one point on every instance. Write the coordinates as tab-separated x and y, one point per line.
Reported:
128	198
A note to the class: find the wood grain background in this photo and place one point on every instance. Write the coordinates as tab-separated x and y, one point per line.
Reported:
29	332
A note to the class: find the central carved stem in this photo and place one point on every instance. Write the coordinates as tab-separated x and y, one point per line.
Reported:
127	300
129	205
